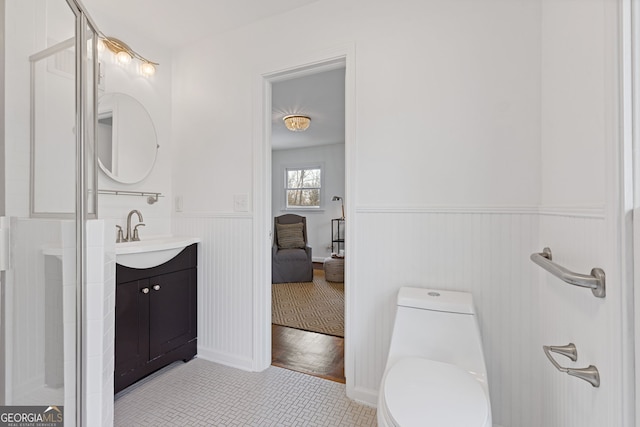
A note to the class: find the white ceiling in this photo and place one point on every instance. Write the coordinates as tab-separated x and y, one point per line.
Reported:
319	96
174	23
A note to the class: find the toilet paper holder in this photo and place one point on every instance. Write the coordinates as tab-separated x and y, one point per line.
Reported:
589	374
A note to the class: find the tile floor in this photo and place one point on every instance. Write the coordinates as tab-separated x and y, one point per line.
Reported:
202	393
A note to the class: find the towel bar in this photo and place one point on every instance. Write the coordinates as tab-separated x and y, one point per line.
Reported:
152	196
594	281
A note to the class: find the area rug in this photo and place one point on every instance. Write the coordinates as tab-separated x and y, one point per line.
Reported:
316	306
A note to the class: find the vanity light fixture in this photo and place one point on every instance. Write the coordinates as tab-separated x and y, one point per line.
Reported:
147	69
124	54
123	57
297	123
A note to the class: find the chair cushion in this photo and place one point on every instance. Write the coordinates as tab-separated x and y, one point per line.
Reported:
290	236
291	255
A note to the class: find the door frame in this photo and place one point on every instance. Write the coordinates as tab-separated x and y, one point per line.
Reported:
309	63
629	165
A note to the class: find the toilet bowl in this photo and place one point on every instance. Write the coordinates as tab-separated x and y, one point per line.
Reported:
435	373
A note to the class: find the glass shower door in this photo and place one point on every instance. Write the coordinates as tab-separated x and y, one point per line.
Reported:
48	140
41	302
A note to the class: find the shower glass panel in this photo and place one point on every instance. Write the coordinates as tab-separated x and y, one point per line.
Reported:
55	137
53	117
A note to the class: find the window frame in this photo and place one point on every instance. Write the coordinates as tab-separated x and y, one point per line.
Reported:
303	166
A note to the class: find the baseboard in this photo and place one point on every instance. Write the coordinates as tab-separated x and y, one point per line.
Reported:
364	396
226	359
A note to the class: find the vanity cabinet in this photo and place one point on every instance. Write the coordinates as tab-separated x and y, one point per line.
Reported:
155	317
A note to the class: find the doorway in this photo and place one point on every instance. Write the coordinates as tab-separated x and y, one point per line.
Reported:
308	180
314	63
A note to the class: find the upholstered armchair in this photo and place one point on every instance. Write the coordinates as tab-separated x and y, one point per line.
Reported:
291	256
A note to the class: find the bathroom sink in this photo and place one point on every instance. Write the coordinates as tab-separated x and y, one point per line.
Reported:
152	251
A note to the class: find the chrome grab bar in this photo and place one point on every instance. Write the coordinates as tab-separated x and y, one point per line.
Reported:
589	374
594	281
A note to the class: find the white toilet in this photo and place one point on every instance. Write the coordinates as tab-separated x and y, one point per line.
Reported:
435	373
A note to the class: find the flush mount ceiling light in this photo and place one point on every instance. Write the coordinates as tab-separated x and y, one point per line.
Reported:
296	123
124	54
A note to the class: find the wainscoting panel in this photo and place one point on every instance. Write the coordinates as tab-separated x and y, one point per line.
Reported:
572	314
485	251
36	326
225	287
482	252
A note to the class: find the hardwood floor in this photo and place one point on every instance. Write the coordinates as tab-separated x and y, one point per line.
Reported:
308	352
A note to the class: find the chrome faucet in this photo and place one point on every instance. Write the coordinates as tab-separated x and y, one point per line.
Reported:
133	237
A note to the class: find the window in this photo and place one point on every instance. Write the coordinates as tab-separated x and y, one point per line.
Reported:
302	187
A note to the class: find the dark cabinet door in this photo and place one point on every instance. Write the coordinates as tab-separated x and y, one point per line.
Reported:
132	326
172	311
155	317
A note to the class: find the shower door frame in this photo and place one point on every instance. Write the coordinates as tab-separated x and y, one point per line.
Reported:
2	202
85	195
83	21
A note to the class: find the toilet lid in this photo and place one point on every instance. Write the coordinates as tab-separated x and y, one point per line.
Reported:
421	392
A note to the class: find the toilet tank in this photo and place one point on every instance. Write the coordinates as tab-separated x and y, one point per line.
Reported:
437	325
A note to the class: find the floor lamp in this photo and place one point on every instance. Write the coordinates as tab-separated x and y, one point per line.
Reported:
335	199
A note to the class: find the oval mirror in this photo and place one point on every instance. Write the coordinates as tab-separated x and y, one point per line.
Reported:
127	140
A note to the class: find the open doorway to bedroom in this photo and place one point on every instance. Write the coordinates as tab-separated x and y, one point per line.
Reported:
308	192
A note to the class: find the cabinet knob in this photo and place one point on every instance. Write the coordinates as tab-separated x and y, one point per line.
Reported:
145	290
156	287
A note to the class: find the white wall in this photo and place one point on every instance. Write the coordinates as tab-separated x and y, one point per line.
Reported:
100	294
154	93
447	131
31	306
447	93
331	157
19	44
41	318
580	212
575	87
55	121
32	291
483	132
25	35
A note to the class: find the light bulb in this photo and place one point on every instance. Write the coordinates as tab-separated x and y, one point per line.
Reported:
147	69
123	57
